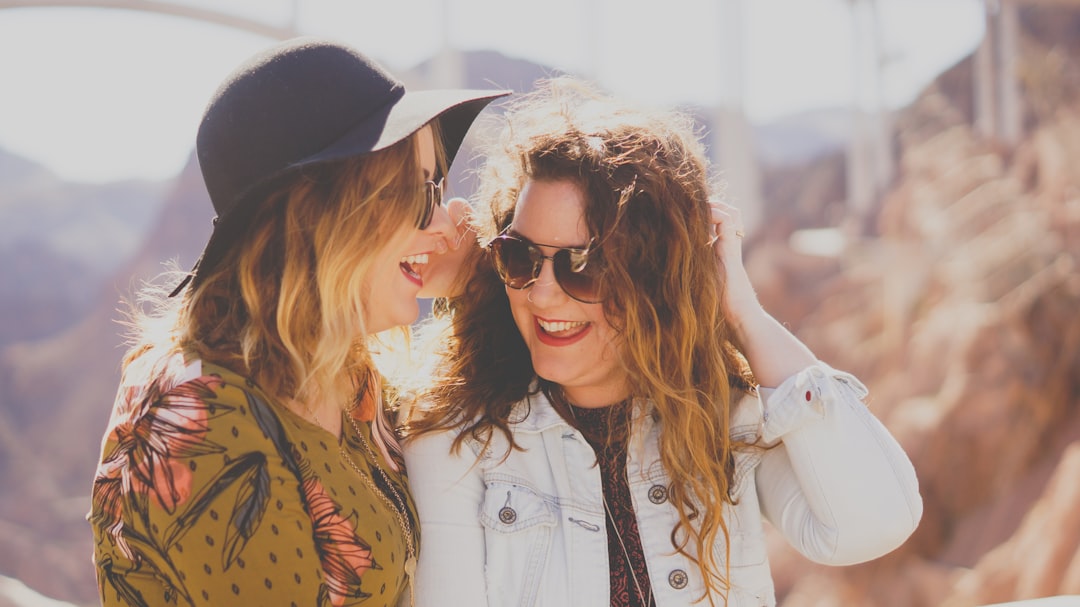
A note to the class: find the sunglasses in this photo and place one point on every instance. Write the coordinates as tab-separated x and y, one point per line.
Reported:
518	262
433	191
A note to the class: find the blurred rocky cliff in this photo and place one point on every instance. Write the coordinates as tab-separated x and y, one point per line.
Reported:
55	393
956	302
961	310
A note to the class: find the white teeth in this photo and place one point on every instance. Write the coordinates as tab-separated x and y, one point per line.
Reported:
413	260
558	326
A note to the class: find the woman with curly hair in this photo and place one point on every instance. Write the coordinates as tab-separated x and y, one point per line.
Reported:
615	415
250	458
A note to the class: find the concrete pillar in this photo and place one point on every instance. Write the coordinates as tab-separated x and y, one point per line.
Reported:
999	111
1011	106
448	66
870	158
732	140
983	77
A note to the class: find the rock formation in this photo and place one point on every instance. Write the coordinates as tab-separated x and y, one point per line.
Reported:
960	311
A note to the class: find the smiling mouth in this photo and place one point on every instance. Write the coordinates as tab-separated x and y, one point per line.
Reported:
411	265
561	328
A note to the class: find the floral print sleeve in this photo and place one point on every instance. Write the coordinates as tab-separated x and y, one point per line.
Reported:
208	493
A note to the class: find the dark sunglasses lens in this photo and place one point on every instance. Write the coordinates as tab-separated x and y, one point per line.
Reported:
433	195
514	262
582	284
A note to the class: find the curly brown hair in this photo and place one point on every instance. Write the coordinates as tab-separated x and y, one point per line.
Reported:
644	176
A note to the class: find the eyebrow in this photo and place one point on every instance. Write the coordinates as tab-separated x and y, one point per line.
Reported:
512	232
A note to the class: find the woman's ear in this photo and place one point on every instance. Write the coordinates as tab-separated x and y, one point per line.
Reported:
461	215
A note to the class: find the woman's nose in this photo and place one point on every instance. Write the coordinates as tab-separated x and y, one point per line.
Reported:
545	290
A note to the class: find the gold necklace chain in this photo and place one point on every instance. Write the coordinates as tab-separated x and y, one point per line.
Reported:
397	505
626	553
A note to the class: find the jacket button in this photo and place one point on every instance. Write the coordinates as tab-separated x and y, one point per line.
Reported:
507	515
677	579
658	494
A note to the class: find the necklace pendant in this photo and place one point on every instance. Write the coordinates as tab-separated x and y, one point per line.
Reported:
410	579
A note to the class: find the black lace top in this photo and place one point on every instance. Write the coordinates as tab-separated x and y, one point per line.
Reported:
606	429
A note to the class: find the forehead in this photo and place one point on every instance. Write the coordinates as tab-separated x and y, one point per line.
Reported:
552	212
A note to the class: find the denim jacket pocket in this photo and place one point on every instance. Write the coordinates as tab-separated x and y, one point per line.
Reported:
519	524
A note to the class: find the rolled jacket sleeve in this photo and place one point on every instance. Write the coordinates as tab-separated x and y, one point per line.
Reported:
834	482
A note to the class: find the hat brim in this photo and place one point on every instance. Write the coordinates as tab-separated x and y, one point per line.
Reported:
456	109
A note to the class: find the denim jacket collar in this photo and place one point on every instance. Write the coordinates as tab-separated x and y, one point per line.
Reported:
536	414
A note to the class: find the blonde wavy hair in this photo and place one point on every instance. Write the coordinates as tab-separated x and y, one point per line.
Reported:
285	305
645	179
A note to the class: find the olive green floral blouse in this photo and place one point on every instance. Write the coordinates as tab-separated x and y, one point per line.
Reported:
210	493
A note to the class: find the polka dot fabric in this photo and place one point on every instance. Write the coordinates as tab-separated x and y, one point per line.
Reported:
209	493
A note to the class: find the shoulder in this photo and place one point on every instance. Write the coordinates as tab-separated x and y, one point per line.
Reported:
534	414
190	410
746	416
219	401
478	440
178	443
178	381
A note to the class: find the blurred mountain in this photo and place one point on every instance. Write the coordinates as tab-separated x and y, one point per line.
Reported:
60	241
55	396
803	137
486	70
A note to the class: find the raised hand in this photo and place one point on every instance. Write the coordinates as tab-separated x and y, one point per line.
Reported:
444	275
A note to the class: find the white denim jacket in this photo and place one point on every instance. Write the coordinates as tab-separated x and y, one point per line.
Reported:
529	529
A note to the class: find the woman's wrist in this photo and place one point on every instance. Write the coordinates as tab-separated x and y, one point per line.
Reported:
747	319
772	351
741	306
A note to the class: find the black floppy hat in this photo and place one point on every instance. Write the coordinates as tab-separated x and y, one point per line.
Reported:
305	101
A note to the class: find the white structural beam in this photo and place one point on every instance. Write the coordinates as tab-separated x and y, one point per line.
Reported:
1012	111
448	65
174	9
731	139
870	159
999	110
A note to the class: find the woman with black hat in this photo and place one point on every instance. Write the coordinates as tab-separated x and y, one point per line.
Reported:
249	459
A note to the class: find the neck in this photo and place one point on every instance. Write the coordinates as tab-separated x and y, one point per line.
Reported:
326	415
588	398
593	398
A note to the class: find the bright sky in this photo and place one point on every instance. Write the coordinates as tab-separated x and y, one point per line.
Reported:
103	94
